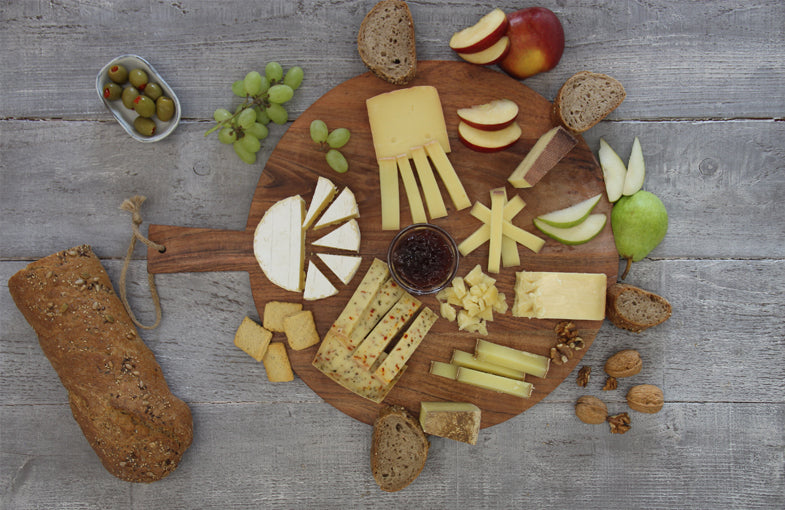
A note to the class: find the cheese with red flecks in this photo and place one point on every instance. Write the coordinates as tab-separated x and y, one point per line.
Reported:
391	323
407	344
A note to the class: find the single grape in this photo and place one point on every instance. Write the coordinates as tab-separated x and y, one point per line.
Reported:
253	83
221	114
294	77
227	135
319	131
338	138
336	161
246	118
250	143
259	130
238	88
261	115
274	72
265	85
248	157
279	94
277	113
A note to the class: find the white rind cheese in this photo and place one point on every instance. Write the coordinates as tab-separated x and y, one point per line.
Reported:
343	266
324	192
279	243
317	286
343	208
346	237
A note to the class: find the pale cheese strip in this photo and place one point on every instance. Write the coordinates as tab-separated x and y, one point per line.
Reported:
510	255
468	360
391	323
384	299
346	237
416	207
545	295
279	243
342	266
406	345
317	286
498	199
442	369
344	207
483	234
449	177
527	362
494	382
430	188
388	187
360	301
324	192
521	236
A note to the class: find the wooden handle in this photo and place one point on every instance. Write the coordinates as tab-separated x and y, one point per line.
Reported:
200	249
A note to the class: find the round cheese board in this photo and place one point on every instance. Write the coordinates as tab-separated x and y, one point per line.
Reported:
293	169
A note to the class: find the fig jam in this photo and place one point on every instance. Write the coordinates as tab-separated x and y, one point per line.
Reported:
423	258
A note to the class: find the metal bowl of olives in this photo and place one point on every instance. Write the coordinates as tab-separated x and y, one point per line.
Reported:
139	98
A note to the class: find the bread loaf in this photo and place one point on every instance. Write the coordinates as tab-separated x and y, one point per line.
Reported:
386	42
585	99
116	389
635	309
399	449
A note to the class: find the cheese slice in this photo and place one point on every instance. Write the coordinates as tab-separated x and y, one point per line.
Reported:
391	323
416	208
494	382
442	369
388	187
430	188
279	243
527	362
483	234
446	171
343	266
344	207
406	345
521	236
406	118
346	237
468	360
385	298
498	199
575	296
360	301
324	192
317	286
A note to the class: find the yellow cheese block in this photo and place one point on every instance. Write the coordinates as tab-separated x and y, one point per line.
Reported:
406	345
523	361
416	207
369	350
545	295
494	382
388	186
360	302
433	197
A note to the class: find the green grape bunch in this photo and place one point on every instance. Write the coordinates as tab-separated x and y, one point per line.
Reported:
331	141
264	96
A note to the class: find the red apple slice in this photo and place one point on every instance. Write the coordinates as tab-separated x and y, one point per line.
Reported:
488	141
497	114
482	34
489	56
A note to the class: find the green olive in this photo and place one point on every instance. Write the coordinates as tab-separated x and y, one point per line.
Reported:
118	74
138	78
112	91
130	93
153	91
144	126
165	107
144	106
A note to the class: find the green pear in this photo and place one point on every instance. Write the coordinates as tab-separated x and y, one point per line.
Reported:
639	223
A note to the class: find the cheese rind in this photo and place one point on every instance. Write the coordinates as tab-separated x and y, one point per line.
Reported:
388	188
346	237
360	301
324	192
551	295
317	286
344	207
342	266
527	362
279	243
448	175
406	345
454	420
382	334
416	207
494	382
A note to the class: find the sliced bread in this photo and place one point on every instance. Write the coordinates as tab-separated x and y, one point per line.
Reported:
386	42
585	99
399	449
635	309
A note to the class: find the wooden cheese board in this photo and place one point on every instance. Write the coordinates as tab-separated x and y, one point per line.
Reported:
293	168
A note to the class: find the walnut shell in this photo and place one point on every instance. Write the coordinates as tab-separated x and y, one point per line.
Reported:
645	398
624	363
591	410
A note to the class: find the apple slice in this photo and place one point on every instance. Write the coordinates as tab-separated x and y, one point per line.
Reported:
497	114
571	216
636	170
613	171
482	34
488	141
489	56
579	234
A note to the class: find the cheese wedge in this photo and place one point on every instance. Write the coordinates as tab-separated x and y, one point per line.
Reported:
406	345
342	266
343	208
446	171
575	296
430	188
416	208
385	298
360	302
324	192
391	323
388	187
317	286
279	243
346	237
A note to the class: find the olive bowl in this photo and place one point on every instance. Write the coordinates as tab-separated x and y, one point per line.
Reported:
126	116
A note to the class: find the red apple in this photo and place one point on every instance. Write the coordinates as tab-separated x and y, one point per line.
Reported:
488	141
488	56
497	114
536	42
482	34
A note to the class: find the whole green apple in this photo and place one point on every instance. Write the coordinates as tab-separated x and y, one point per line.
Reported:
536	42
639	223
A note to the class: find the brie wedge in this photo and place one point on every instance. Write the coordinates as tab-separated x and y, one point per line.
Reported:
343	266
346	237
279	243
317	286
325	191
344	207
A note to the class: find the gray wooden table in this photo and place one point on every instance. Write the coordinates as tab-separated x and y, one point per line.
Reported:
706	95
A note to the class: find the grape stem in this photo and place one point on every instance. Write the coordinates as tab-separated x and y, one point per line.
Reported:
260	100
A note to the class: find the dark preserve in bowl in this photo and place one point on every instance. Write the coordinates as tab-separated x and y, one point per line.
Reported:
423	258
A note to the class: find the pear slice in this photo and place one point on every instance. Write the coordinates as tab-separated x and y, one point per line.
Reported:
579	234
636	170
613	171
571	216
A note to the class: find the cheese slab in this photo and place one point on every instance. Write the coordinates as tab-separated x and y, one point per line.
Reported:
342	266
406	345
317	286
346	237
385	298
388	188
344	207
279	243
360	301
382	334
324	192
430	188
556	295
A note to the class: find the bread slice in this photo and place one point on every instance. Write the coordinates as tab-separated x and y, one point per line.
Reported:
585	99
399	449
386	42
635	309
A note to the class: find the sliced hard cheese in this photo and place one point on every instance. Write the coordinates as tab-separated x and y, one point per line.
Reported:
388	187
468	360
498	199
446	171
544	295
325	190
416	207
343	266
279	243
442	369
360	301
406	118
494	382
385	298
430	188
317	286
527	362
521	236
546	153
346	237
391	323
344	207
405	347
483	234
454	420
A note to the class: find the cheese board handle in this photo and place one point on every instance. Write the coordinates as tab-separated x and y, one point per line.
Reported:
194	250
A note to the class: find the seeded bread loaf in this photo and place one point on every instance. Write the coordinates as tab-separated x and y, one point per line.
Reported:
399	449
116	389
585	99
635	309
386	42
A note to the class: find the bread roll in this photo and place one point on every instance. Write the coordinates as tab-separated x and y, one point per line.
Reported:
116	389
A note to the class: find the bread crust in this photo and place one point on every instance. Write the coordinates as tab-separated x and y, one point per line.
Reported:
116	388
557	115
617	316
378	446
403	72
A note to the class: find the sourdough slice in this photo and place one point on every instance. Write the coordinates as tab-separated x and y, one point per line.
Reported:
635	309
386	42
585	99
399	449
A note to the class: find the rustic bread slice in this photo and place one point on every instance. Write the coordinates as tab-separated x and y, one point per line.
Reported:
635	309
585	99
399	449
386	42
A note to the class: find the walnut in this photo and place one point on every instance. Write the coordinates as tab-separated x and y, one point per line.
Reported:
560	354
591	410
584	374
624	363
566	329
619	423
645	398
576	343
610	383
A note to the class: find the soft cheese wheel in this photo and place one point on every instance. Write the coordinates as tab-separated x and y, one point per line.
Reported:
279	243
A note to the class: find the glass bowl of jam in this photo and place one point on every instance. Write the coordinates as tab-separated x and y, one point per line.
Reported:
423	258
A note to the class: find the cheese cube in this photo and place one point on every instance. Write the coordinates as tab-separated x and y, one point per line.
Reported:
448	312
